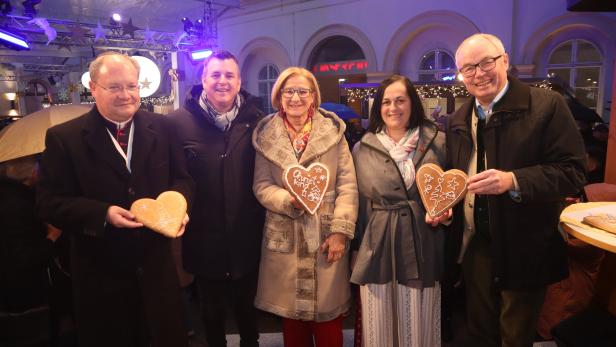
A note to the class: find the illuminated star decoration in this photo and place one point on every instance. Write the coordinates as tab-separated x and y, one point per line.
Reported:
99	32
78	33
47	29
145	84
148	36
129	28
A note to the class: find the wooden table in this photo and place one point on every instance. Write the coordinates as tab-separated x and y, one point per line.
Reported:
606	283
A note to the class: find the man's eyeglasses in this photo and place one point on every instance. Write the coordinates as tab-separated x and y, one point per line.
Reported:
115	89
485	65
301	92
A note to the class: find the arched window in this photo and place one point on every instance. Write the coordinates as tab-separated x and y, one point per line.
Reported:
267	77
578	63
436	65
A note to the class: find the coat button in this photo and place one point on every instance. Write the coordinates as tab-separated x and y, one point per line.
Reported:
397	188
228	274
139	271
223	155
131	191
496	279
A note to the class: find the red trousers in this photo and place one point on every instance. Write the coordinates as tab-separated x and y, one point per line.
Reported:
297	333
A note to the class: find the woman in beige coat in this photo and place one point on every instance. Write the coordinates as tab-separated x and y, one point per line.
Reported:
304	271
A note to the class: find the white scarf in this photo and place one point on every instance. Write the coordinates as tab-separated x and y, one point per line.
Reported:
402	152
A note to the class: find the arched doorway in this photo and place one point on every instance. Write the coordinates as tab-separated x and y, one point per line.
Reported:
338	60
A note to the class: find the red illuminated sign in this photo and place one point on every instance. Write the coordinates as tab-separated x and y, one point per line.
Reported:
349	67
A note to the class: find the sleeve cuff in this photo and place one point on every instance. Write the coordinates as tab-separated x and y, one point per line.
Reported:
343	227
515	194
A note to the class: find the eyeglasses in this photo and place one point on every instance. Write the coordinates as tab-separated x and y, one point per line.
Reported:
301	92
115	89
485	65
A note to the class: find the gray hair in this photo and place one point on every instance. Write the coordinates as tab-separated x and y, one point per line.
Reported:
96	64
492	39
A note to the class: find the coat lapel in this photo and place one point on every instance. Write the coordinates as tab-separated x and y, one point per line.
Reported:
427	134
143	141
270	139
96	136
324	135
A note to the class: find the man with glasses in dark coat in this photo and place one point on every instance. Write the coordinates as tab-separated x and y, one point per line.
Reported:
524	155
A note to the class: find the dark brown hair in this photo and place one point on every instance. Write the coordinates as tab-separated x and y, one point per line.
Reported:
417	111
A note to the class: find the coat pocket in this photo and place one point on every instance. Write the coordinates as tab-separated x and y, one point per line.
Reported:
279	234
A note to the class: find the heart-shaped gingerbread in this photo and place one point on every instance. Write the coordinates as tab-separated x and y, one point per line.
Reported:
440	190
308	186
163	215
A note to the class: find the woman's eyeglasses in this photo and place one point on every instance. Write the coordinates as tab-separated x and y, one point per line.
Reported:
301	92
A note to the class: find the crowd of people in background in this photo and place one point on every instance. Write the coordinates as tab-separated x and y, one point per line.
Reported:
249	241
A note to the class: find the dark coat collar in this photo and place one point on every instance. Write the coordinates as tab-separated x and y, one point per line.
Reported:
248	110
515	100
97	138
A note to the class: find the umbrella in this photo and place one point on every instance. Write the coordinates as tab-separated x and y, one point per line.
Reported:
27	135
342	111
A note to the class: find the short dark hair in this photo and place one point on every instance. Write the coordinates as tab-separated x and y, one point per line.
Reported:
417	111
220	55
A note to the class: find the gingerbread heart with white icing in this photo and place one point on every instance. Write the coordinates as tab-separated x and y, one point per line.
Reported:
440	190
163	215
307	185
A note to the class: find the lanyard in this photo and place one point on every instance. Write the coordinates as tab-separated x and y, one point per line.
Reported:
129	147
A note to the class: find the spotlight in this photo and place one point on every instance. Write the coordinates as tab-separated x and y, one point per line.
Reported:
188	25
12	40
115	19
29	10
200	54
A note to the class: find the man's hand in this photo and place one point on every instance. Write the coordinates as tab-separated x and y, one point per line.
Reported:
121	218
438	219
183	226
490	182
334	244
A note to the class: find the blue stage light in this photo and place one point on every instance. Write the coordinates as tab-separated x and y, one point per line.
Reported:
200	54
13	40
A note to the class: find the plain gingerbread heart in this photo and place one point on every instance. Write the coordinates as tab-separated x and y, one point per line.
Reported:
440	190
163	215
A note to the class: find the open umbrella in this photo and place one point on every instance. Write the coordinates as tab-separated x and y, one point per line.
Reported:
342	111
27	135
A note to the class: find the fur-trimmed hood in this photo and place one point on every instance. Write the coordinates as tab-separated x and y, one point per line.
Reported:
271	140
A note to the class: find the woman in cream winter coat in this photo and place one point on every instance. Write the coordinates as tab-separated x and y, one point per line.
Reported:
304	271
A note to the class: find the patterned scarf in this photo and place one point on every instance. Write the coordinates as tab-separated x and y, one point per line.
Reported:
221	120
402	152
299	139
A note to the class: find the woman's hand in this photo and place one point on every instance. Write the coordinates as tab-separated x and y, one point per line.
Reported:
295	203
335	245
444	218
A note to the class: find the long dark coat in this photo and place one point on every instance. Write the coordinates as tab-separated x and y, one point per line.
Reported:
122	278
223	239
531	133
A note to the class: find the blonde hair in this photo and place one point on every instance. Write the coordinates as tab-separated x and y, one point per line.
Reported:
96	64
288	73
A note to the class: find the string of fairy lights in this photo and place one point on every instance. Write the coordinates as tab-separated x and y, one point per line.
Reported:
426	91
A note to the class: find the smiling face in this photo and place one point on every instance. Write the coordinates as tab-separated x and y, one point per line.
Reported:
396	107
483	85
295	107
116	72
221	83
